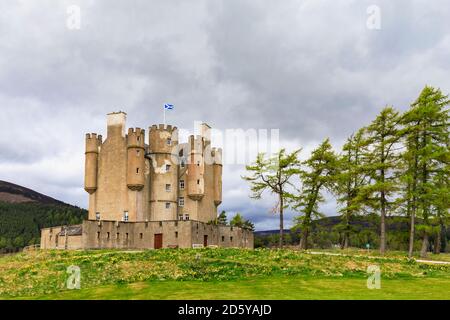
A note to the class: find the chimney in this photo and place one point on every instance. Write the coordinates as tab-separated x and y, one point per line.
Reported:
116	122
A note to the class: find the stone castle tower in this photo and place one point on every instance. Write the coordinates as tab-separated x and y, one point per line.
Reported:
133	181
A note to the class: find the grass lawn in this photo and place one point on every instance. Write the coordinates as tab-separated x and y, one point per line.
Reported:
266	288
218	274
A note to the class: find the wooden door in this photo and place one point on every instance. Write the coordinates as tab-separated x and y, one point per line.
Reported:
205	240
158	241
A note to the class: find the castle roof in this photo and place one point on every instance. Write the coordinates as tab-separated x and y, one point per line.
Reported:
75	230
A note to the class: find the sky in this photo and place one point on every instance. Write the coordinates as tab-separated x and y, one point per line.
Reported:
310	68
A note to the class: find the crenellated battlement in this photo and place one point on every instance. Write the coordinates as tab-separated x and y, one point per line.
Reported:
93	142
163	138
136	138
162	127
94	136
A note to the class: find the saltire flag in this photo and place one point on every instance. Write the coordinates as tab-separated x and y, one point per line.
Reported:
168	106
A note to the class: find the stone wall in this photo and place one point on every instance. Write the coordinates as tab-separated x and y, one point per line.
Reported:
141	235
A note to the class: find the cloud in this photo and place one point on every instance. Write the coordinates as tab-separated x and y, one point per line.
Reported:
309	68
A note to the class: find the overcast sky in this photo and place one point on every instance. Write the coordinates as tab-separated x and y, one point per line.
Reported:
312	69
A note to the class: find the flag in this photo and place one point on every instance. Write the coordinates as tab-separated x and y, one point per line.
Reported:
168	106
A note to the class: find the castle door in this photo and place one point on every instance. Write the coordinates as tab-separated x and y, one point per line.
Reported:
158	241
205	240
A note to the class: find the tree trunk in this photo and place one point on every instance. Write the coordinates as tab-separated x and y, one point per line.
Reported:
304	239
347	227
383	224
437	243
346	240
281	222
411	235
424	250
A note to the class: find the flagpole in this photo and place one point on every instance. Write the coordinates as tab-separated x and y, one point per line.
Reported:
164	115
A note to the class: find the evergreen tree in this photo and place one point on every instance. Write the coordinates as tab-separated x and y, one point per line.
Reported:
381	165
237	220
350	178
320	168
274	174
222	218
427	135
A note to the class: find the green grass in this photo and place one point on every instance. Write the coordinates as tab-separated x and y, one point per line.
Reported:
275	288
217	274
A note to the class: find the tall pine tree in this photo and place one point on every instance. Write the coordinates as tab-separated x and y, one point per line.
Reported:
349	179
318	175
426	130
381	166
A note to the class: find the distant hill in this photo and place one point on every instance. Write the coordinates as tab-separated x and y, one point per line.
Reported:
365	229
13	193
23	212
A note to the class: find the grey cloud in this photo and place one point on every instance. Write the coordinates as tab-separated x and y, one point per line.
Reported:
310	68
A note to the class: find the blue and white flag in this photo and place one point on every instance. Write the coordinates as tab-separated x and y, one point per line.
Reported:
168	106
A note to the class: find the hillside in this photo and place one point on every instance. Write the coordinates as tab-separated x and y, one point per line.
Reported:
23	212
13	193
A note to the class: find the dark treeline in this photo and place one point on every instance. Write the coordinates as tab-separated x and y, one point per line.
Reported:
326	233
397	165
20	223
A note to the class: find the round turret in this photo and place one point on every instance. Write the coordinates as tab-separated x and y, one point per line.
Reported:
195	169
217	171
163	145
136	158
93	144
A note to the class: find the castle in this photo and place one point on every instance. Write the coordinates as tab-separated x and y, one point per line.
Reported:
163	194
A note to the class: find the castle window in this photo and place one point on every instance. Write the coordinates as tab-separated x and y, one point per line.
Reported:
97	215
137	170
176	234
107	235
181	201
183	163
138	153
141	235
182	184
98	235
126	235
223	238
198	163
181	153
231	239
138	138
169	141
160	223
125	216
198	181
168	187
180	217
167	205
186	217
117	235
167	167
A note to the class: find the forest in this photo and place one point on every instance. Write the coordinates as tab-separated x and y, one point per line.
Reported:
20	223
396	167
